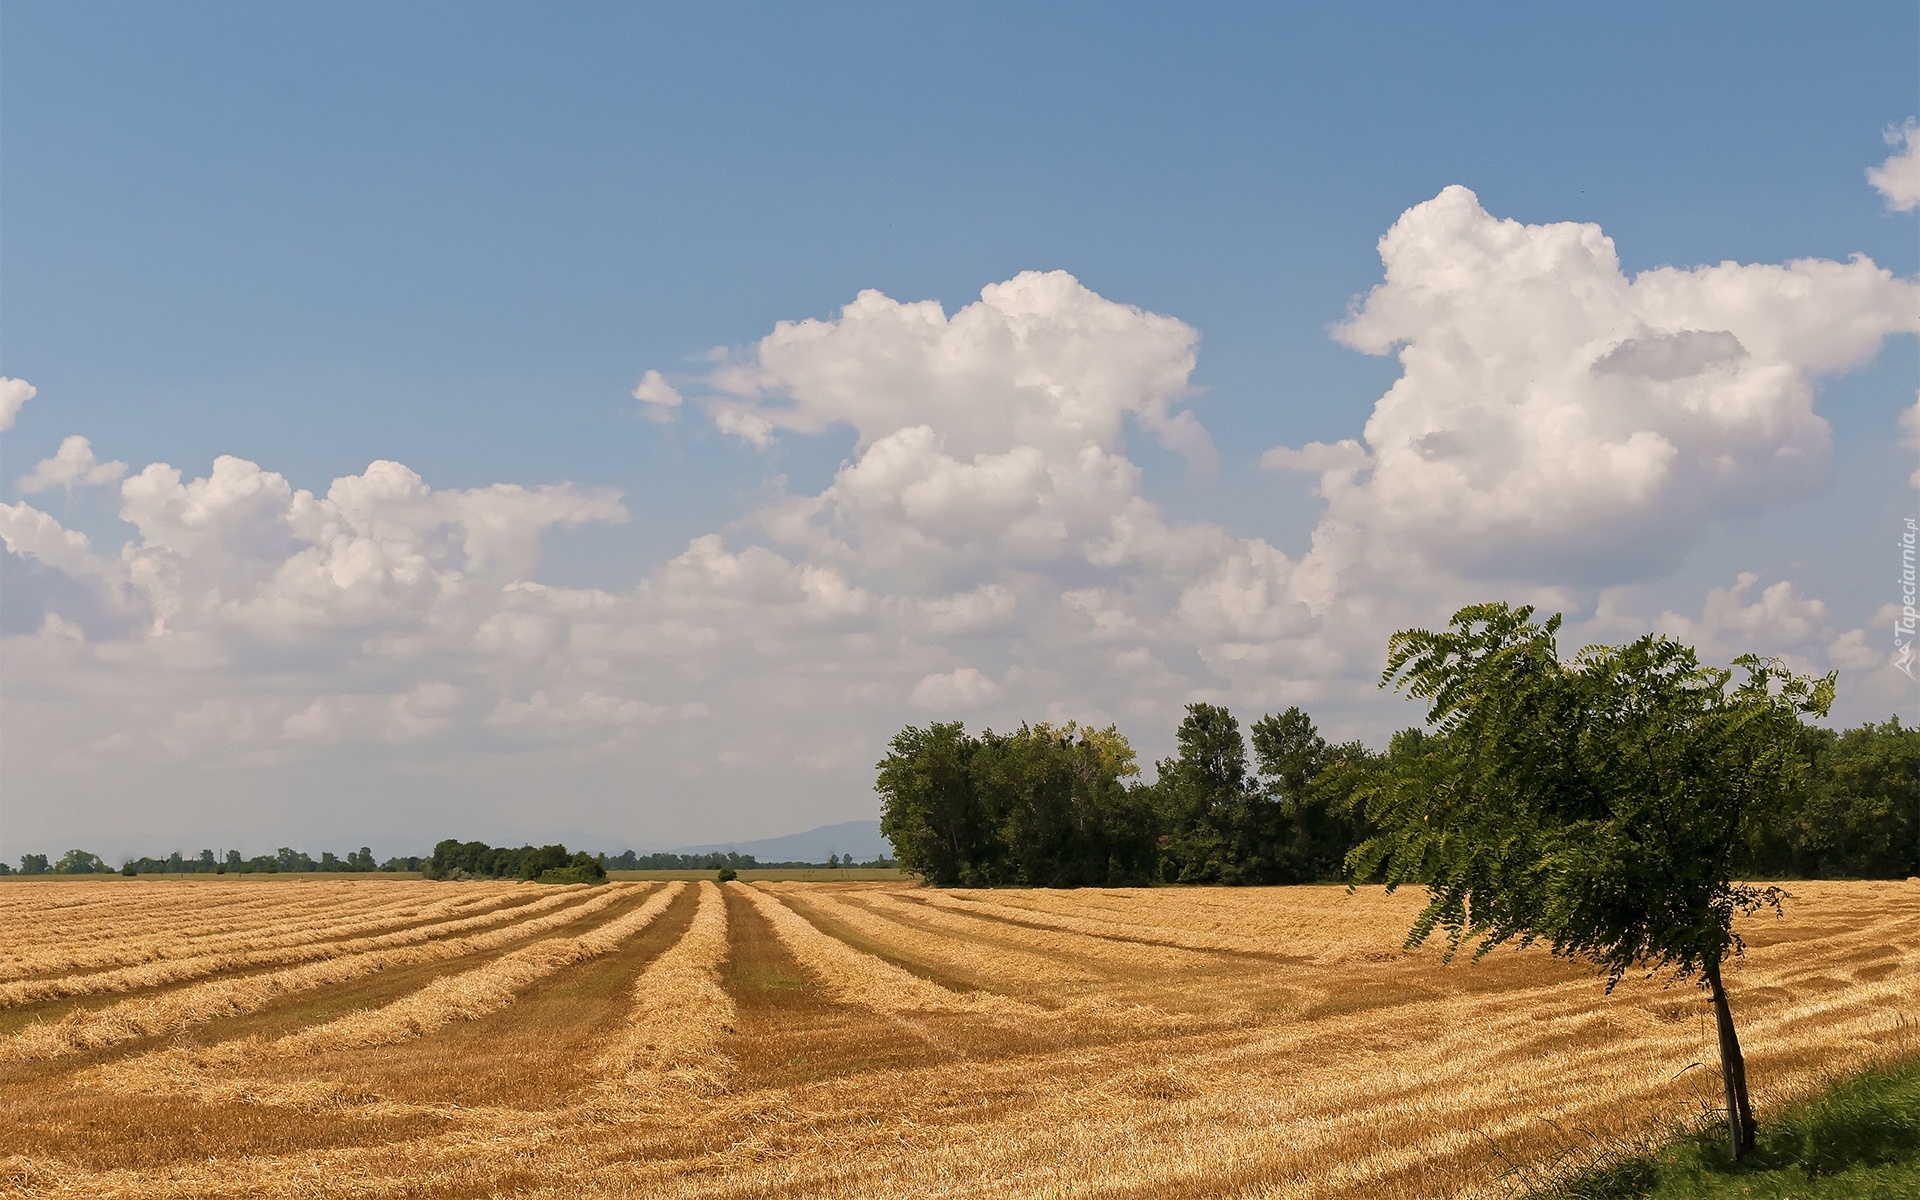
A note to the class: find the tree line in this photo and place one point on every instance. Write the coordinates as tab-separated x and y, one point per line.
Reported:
485	862
1064	806
227	862
713	860
455	859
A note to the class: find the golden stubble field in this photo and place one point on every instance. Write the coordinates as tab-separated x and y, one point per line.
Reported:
202	1038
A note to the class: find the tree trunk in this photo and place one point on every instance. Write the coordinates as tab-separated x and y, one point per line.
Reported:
1733	1069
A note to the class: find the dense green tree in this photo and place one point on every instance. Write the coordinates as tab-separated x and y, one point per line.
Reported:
1311	826
1597	805
929	808
580	868
1858	817
81	862
1206	797
1047	806
1061	809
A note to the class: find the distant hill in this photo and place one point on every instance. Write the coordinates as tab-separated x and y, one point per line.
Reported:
861	839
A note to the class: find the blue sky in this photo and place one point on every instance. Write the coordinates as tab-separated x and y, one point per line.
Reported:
456	236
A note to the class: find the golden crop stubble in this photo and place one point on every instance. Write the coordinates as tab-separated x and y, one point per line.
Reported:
175	917
477	992
171	1011
140	958
864	979
1430	1094
1327	923
680	1012
218	1072
904	930
160	909
1115	950
306	947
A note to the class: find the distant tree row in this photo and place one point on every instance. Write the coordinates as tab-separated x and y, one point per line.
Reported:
476	859
454	859
1053	806
630	860
228	862
73	862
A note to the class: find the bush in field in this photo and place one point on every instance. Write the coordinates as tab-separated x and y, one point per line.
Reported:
582	868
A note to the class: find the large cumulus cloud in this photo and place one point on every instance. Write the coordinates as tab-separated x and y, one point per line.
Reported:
1559	428
1557	420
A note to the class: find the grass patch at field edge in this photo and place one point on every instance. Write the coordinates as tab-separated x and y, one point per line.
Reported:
1858	1137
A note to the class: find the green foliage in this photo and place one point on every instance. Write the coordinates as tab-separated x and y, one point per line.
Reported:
1045	806
81	862
1597	805
285	859
727	875
582	868
454	859
1060	806
1288	821
929	808
1207	803
33	864
1859	1137
1858	816
712	860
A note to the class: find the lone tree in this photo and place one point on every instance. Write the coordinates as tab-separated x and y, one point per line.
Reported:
1595	805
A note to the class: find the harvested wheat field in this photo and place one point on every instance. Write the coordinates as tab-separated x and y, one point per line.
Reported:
400	1038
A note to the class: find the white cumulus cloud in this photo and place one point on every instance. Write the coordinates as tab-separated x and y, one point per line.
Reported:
72	465
1910	436
1558	420
658	398
14	393
1038	360
1558	428
1898	178
960	689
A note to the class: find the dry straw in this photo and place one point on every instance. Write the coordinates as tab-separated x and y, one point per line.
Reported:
680	1013
1407	1079
474	993
855	977
88	1029
164	960
980	952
